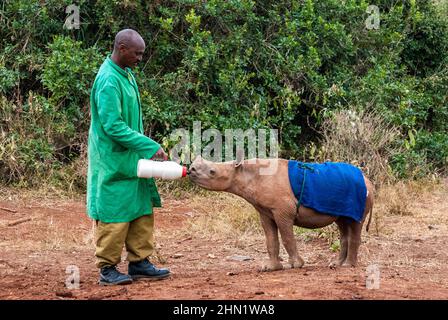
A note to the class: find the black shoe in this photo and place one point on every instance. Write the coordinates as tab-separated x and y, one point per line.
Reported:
110	276
146	270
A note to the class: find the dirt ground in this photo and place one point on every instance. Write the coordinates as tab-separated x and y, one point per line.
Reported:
42	239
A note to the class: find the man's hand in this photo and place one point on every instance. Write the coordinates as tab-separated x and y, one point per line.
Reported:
160	154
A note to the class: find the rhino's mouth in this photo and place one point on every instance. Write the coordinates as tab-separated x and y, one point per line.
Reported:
196	180
193	177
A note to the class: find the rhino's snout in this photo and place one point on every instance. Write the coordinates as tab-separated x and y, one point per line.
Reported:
192	171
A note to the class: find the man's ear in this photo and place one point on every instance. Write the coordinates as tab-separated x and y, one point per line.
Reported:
122	47
239	158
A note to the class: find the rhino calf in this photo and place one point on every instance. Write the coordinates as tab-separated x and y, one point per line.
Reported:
276	198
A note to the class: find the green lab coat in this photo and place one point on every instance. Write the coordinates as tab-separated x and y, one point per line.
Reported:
116	143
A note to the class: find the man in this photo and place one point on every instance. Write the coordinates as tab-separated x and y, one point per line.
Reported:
120	202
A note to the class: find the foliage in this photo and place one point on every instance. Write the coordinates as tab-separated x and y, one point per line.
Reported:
363	138
229	64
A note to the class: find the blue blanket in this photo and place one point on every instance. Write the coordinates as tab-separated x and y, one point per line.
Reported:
331	188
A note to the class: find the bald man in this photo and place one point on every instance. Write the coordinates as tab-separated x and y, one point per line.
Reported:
120	202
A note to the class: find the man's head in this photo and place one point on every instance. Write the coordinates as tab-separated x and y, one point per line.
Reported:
128	48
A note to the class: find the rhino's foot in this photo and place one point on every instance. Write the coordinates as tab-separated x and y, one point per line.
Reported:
350	264
271	266
335	264
297	263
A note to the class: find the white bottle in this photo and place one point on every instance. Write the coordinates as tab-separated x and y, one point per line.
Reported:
168	170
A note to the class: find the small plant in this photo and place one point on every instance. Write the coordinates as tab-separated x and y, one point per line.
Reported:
397	198
335	246
363	138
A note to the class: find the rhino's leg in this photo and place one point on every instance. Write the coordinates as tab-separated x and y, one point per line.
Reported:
354	241
285	224
272	242
344	235
355	229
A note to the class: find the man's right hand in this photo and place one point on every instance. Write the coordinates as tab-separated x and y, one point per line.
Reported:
160	155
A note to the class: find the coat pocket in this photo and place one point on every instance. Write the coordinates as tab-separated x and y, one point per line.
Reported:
122	165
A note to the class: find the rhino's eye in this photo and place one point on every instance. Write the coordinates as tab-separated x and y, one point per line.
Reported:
212	171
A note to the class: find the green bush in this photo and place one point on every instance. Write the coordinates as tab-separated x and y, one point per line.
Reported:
28	140
69	69
229	64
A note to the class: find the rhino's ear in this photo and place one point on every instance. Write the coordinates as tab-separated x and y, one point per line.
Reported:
239	158
237	164
197	158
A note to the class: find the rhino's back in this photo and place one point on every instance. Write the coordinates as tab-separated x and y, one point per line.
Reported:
333	188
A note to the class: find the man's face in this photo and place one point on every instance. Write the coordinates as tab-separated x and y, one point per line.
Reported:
131	55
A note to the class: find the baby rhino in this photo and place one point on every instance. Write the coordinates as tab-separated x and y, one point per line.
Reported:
288	193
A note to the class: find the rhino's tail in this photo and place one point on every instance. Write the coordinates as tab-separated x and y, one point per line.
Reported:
370	218
370	199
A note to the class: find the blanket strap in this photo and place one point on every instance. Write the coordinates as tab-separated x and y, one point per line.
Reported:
305	167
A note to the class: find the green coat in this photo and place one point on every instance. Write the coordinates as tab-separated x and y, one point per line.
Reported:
116	143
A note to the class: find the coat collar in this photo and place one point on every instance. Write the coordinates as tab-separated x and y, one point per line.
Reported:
127	72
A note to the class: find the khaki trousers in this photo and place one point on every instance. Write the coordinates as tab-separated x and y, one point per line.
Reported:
136	235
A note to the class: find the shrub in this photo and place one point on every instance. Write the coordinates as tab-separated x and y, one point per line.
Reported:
230	64
69	70
363	138
28	140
